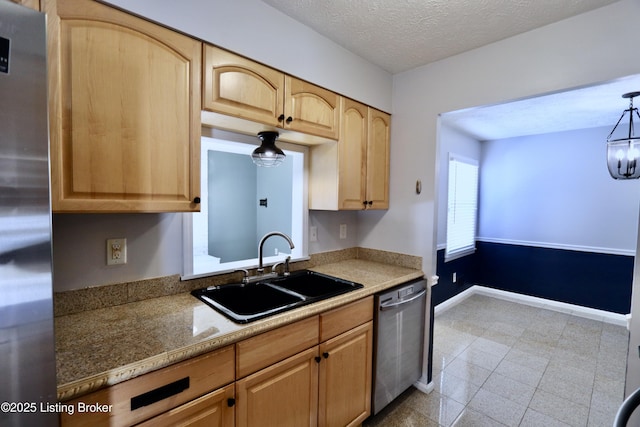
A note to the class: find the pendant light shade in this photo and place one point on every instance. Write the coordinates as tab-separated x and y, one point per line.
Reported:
268	155
623	153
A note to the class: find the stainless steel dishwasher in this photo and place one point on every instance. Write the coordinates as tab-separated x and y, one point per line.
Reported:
398	341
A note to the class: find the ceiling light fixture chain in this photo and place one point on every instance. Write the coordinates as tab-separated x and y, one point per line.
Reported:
623	153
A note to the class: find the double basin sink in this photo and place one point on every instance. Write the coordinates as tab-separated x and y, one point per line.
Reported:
244	303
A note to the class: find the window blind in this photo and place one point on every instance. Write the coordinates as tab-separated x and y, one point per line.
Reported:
462	207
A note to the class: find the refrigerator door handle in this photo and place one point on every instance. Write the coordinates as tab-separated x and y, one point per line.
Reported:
389	306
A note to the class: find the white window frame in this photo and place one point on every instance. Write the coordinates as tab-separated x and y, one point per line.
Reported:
197	264
462	206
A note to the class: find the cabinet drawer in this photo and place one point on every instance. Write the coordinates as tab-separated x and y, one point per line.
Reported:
339	320
266	349
213	410
143	397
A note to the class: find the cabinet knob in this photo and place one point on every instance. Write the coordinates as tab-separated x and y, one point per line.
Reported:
318	359
281	117
289	119
325	355
196	200
230	402
370	202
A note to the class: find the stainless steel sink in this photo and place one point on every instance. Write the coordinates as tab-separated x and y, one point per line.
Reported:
244	303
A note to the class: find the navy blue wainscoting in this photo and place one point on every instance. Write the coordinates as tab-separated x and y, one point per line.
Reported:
588	279
465	269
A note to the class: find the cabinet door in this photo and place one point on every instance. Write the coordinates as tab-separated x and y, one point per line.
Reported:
211	410
352	155
311	109
345	378
282	395
377	194
124	111
239	87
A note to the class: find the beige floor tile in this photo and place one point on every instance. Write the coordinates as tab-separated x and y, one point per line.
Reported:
500	363
472	418
456	388
533	418
511	389
560	409
497	407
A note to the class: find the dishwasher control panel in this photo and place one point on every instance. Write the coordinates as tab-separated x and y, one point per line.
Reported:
405	292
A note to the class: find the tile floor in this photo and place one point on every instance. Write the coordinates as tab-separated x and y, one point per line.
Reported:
500	363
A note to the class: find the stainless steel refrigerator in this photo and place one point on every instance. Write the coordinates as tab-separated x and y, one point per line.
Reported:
27	355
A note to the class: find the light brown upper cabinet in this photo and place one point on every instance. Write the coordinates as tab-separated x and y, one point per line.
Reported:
125	108
239	87
32	4
377	164
353	174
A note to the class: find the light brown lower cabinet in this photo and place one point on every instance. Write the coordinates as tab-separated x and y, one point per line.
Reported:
345	378
284	394
211	410
172	388
327	385
313	372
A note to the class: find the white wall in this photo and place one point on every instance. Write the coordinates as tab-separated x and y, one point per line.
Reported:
262	33
451	142
555	190
590	48
154	248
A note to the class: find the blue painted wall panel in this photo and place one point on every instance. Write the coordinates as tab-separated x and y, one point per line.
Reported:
595	280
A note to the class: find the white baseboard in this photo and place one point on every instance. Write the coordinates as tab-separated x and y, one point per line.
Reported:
424	387
576	310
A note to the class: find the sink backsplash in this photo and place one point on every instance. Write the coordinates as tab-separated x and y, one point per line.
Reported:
96	297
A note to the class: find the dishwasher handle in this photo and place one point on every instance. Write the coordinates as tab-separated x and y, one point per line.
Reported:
389	306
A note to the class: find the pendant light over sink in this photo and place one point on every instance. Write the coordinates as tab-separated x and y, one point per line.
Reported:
623	153
268	155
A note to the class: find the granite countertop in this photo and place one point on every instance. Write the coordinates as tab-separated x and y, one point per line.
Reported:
102	347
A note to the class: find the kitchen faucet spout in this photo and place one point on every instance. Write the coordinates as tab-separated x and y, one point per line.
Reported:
261	244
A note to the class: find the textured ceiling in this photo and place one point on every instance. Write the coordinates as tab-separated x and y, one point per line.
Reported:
583	108
399	35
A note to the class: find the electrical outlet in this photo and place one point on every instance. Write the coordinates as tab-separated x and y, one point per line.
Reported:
343	231
313	233
116	251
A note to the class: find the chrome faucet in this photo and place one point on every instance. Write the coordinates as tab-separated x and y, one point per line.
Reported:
261	244
286	266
